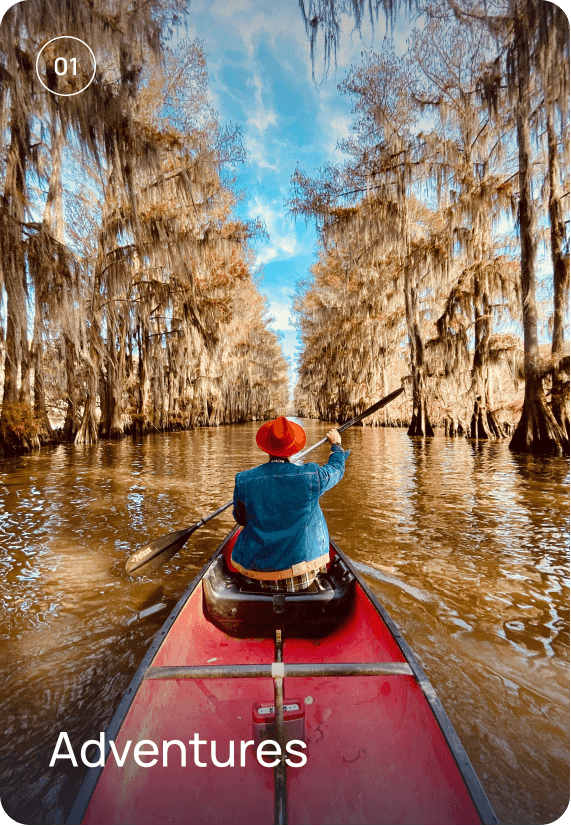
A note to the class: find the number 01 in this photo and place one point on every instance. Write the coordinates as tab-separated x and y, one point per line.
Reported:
61	61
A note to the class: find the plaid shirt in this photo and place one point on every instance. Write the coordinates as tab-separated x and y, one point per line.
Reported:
291	585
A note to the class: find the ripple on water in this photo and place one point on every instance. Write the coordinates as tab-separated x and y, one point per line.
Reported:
466	544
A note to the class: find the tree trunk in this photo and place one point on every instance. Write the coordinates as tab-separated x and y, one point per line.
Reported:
53	211
13	343
537	431
25	392
87	433
113	427
560	261
40	410
70	424
102	392
484	424
13	263
16	360
420	423
113	424
141	423
52	228
157	392
479	428
172	380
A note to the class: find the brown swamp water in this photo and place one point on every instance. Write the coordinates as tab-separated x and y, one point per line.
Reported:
466	545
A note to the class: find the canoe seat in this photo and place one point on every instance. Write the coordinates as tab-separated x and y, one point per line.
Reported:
243	609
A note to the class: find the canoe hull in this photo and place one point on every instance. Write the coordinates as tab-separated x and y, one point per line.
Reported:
379	749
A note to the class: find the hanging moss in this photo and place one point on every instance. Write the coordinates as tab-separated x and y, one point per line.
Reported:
428	181
139	278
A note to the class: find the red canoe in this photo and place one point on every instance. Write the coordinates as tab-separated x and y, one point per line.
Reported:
378	746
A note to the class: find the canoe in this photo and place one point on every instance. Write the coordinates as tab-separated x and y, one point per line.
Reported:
341	724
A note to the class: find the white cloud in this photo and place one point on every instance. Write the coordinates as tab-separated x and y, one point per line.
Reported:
282	244
259	156
279	301
250	19
233	9
263	115
281	312
336	126
262	119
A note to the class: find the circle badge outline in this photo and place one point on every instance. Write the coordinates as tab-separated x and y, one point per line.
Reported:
87	85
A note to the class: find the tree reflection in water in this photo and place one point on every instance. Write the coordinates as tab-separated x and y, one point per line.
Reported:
464	543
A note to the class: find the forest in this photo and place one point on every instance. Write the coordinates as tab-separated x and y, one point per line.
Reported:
129	300
129	296
444	251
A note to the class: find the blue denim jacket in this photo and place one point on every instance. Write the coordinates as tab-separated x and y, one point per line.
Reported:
278	503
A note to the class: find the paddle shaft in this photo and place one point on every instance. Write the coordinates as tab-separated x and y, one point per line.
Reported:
211	516
151	556
303	453
368	412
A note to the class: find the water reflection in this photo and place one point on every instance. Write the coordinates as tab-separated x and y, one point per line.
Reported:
466	545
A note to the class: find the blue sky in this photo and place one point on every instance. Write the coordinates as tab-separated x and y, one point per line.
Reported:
260	78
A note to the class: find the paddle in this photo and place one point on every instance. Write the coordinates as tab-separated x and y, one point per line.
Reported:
151	556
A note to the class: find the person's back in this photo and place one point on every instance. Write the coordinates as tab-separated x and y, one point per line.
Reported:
285	541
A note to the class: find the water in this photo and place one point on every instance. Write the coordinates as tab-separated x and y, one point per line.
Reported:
465	544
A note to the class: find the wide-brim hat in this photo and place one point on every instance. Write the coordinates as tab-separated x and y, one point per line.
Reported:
281	437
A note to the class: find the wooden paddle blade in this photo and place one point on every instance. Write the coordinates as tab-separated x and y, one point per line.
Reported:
148	558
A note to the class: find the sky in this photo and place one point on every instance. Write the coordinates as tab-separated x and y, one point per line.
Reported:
258	60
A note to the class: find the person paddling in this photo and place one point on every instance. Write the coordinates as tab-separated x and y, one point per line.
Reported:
285	542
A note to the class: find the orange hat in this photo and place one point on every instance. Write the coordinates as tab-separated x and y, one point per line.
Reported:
281	437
